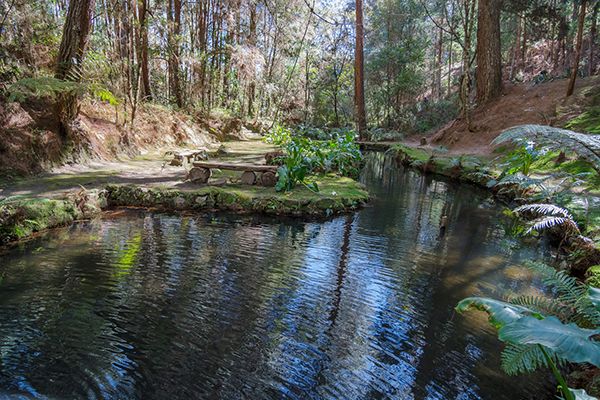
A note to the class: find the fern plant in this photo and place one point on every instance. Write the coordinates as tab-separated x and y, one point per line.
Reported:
548	216
587	147
546	332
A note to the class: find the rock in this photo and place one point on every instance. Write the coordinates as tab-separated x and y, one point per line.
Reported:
423	141
201	200
179	202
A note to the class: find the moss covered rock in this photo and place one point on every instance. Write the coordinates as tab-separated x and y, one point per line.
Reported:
22	217
337	195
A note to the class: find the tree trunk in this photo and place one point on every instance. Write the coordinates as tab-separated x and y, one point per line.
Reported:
143	49
575	68
489	57
591	64
449	83
515	51
174	29
70	57
437	85
359	82
252	42
563	28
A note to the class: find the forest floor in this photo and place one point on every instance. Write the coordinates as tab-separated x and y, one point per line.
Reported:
523	103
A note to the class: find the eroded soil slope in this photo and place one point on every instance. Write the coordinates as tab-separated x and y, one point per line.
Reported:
525	103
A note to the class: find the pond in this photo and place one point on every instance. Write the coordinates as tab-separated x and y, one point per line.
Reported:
158	306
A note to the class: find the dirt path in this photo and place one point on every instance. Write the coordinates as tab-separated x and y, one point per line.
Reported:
149	170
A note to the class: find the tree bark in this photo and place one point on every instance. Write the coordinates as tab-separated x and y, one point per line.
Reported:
359	79
437	85
575	67
252	43
73	45
174	23
591	63
489	57
143	49
516	49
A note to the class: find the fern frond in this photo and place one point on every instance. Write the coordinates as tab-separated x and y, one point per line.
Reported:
518	358
548	222
587	147
543	305
519	179
544	209
570	293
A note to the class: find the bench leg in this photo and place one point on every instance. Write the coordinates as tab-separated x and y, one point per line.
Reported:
268	179
248	178
199	175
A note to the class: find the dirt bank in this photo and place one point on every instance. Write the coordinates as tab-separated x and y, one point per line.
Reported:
30	142
523	103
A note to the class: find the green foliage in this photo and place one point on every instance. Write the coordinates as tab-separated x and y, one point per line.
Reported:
521	159
589	120
546	332
500	313
548	216
49	86
435	114
587	147
564	341
296	166
520	359
394	75
593	276
304	156
278	135
106	95
44	86
381	134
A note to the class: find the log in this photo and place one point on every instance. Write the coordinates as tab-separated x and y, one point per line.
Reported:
248	178
268	179
237	167
199	175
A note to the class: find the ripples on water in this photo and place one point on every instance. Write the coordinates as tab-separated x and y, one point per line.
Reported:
158	306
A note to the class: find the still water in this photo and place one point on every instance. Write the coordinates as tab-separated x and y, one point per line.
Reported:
155	306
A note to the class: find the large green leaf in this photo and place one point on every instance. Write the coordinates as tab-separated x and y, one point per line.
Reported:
500	313
567	341
595	297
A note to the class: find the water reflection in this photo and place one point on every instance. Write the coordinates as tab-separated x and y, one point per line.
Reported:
157	306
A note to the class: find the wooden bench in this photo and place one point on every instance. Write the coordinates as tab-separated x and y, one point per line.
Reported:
201	172
195	155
